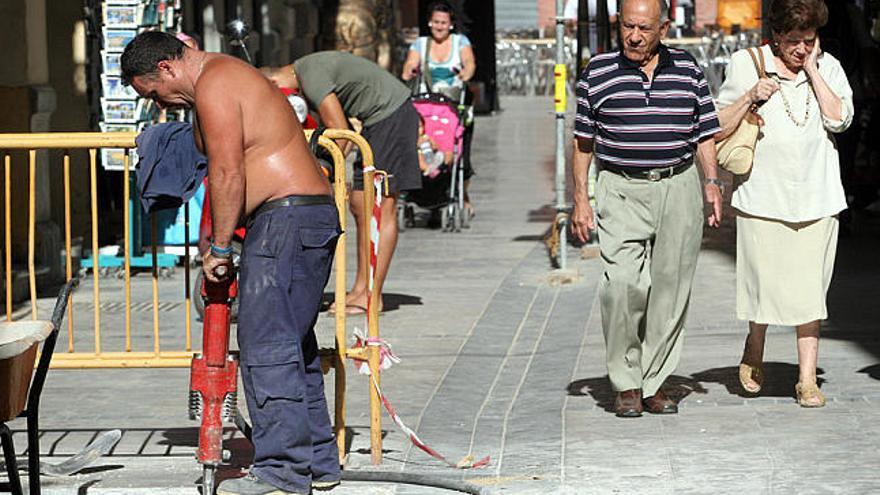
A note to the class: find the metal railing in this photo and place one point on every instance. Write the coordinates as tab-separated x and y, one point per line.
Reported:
525	66
713	50
99	357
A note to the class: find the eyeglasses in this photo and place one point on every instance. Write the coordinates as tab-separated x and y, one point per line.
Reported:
808	42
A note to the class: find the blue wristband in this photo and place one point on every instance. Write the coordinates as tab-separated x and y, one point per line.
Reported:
221	252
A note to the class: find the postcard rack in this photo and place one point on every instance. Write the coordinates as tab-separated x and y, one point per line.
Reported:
121	109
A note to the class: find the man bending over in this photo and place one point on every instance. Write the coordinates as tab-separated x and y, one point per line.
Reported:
259	171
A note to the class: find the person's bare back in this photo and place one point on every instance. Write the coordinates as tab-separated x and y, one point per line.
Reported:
255	146
237	108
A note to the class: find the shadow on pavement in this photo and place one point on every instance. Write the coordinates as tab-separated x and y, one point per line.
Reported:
392	301
599	388
853	312
872	371
780	381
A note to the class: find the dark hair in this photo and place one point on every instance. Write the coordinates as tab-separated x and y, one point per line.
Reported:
441	6
801	15
145	51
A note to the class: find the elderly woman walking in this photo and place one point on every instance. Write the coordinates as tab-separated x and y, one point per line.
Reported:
787	205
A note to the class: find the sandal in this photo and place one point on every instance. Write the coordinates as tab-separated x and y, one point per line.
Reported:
809	395
751	378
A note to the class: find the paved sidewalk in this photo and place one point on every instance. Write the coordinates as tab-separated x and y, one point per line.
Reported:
498	361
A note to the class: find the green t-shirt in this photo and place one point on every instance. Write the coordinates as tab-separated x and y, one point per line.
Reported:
366	91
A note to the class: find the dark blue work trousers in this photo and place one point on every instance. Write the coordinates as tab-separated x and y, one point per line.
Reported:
284	267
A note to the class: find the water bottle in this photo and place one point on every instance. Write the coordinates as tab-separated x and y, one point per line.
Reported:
427	152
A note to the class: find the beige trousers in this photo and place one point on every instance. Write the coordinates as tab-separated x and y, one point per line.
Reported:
649	236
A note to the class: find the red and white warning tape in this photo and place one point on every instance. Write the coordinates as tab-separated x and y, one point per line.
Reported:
465	463
378	182
386	355
386	359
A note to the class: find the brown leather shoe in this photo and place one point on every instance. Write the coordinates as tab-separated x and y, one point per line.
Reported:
660	404
628	404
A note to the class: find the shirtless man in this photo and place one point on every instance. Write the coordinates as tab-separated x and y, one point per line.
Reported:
259	170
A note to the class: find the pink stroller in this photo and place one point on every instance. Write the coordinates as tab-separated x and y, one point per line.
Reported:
443	189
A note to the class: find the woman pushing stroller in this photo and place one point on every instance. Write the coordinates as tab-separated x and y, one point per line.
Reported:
445	61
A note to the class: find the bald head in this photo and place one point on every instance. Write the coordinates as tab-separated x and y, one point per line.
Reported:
643	23
662	7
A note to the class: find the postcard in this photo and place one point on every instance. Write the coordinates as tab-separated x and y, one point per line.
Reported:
109	127
120	111
114	89
111	63
121	16
116	39
114	158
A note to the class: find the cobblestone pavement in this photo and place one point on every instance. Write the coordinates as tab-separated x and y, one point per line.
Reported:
499	361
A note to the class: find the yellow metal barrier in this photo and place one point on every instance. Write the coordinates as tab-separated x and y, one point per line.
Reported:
158	358
373	313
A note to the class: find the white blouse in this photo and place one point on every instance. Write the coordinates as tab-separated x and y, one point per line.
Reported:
796	173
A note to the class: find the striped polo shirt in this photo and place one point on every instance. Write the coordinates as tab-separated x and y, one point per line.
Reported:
640	123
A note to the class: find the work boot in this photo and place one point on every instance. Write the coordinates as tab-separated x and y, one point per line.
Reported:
324	485
251	485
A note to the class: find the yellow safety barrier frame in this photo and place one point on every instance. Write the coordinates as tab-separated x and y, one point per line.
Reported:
93	141
370	352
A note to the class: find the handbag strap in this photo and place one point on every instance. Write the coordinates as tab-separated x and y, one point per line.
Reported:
758	61
426	67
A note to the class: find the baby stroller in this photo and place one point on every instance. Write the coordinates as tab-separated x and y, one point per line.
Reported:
443	189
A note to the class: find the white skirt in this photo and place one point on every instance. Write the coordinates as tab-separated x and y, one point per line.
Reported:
783	269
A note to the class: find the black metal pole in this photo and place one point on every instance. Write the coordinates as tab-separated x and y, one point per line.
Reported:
583	34
257	26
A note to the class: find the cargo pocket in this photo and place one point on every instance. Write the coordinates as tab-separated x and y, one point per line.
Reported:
262	262
269	240
275	373
316	245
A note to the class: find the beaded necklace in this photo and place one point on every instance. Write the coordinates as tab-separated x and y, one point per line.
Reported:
788	107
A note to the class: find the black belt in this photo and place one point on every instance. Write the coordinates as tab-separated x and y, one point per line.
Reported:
652	174
292	200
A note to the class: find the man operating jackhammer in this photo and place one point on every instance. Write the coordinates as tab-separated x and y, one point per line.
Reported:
260	172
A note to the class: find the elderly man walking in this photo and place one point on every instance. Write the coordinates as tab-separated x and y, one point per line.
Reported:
643	112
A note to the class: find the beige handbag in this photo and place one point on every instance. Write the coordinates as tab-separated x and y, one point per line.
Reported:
737	151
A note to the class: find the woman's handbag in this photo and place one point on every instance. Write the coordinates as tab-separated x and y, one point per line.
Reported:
737	151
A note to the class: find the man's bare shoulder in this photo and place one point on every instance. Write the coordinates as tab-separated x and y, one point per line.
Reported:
217	97
226	75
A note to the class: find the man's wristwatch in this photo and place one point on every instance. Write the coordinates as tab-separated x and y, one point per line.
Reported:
717	182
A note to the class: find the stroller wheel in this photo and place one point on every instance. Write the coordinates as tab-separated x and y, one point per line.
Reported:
451	218
410	217
457	219
445	219
401	218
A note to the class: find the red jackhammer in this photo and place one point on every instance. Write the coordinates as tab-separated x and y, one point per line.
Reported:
213	379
